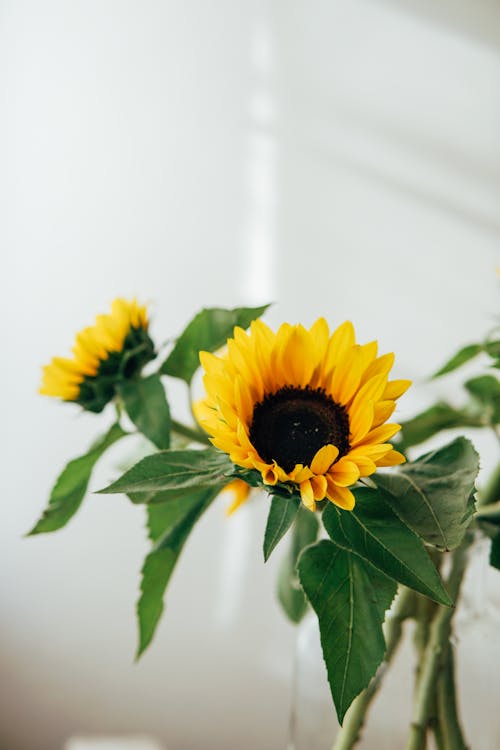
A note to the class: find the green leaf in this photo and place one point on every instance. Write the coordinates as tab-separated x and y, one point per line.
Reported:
147	407
439	417
374	532
71	485
493	348
350	597
282	513
158	498
160	563
486	390
163	516
290	593
495	552
434	494
208	331
175	470
459	359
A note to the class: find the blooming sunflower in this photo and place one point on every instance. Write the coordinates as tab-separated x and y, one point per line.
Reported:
303	407
114	349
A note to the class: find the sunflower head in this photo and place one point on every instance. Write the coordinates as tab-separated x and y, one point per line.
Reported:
307	409
114	349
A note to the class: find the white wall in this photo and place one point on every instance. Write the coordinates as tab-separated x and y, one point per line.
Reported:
338	158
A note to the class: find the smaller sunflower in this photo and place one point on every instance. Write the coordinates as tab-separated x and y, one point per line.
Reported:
303	407
114	349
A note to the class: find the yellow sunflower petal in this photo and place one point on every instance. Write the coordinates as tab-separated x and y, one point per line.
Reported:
300	473
307	494
365	465
299	358
240	491
372	390
212	364
383	412
395	389
381	366
344	472
373	452
340	496
324	458
346	376
319	486
361	421
341	341
379	434
392	458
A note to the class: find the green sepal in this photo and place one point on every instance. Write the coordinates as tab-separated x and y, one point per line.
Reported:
290	593
282	512
175	470
208	331
350	597
434	495
71	485
97	390
160	563
147	406
460	358
374	532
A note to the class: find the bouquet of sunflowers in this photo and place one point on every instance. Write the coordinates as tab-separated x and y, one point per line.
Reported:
304	415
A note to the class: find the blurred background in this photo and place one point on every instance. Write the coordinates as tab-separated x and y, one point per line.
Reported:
336	158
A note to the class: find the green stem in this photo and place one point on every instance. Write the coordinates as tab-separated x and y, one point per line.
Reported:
433	655
447	710
350	732
190	432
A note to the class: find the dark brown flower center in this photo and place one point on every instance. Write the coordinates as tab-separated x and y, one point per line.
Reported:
291	425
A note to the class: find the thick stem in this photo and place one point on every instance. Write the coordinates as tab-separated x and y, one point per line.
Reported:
447	710
190	432
350	732
433	655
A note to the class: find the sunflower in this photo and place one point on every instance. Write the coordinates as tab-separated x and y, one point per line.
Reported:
112	350
305	408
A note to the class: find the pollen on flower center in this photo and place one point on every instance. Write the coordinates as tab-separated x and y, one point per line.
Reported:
291	425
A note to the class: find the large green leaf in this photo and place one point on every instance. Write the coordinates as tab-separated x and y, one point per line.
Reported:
282	513
374	532
175	470
439	417
304	532
147	407
71	485
160	563
460	358
160	497
350	597
208	331
434	494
